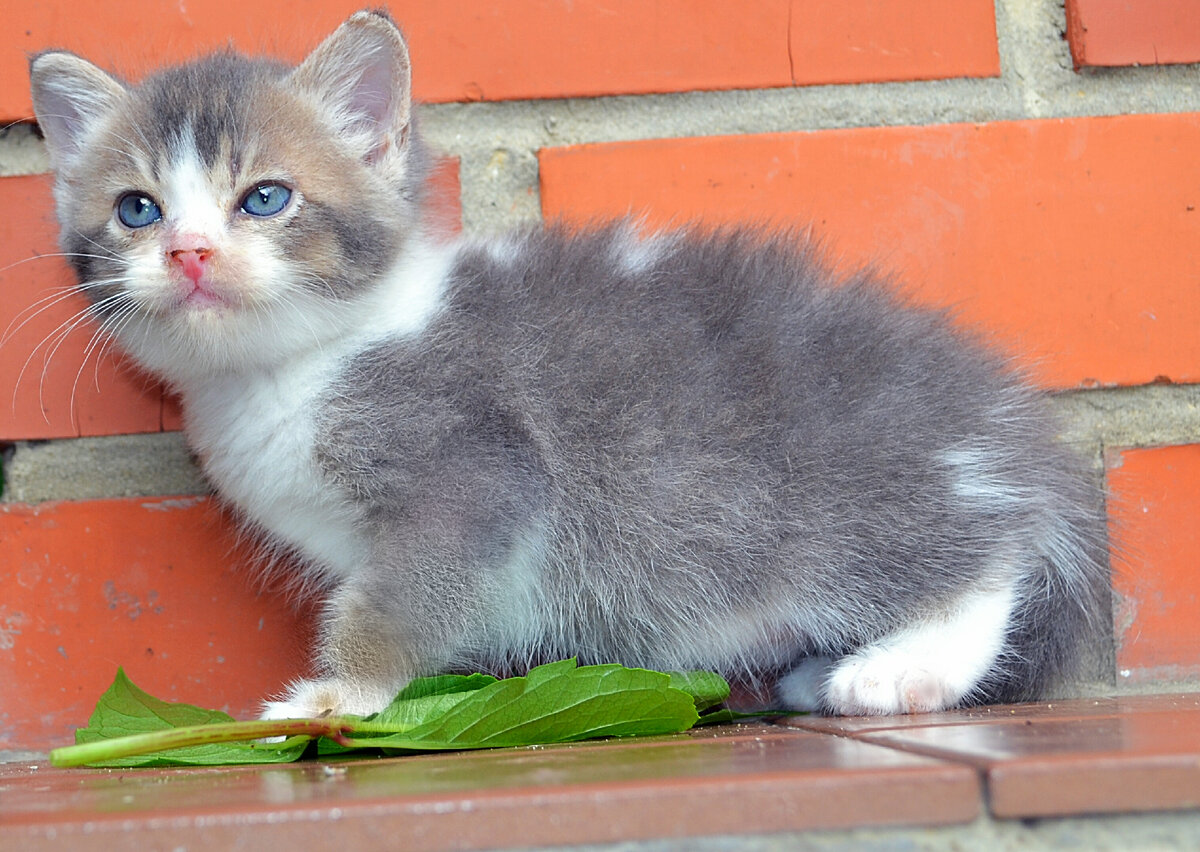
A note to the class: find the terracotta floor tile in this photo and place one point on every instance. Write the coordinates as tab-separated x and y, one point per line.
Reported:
864	724
1075	757
744	779
990	742
1104	706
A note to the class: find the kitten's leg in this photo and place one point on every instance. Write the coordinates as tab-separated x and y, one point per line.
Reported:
362	648
929	665
426	596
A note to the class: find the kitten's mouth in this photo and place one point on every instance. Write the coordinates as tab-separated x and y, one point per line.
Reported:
203	298
202	295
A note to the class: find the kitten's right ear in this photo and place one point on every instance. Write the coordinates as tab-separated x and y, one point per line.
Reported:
69	95
361	77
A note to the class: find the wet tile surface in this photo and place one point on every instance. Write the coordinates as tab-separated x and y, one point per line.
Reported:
1066	708
743	779
1041	738
1064	765
1108	755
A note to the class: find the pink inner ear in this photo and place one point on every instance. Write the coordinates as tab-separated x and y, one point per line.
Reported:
373	99
360	73
63	123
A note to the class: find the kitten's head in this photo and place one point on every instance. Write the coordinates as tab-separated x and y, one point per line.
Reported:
229	212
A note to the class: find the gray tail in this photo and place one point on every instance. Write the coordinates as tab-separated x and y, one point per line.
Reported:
1060	638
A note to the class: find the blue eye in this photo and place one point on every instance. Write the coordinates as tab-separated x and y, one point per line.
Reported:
136	210
266	199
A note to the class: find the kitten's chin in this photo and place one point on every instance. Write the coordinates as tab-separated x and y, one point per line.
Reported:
205	335
206	318
186	296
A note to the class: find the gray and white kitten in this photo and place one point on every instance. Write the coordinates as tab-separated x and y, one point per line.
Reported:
691	450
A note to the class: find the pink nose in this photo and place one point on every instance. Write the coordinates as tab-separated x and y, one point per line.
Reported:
191	260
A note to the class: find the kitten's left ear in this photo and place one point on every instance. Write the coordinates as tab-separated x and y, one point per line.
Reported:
362	77
69	95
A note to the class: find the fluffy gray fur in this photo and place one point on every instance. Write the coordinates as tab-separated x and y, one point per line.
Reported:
719	440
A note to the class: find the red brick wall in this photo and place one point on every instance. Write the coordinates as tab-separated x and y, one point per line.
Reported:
1115	33
1072	238
158	586
471	50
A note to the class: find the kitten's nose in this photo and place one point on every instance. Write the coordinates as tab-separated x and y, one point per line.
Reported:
191	260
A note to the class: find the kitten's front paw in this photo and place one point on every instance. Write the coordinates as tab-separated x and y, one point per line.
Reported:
313	699
803	688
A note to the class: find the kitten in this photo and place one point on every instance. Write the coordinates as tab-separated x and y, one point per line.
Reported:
689	450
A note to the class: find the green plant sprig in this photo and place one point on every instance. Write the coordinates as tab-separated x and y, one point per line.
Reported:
555	703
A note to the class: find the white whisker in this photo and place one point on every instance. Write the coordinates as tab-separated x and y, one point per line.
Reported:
25	260
109	253
49	301
98	335
53	341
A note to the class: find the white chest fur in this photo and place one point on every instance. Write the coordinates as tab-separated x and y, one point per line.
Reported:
256	436
256	429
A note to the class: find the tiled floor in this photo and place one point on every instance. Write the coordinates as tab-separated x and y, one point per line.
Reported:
1082	756
1079	757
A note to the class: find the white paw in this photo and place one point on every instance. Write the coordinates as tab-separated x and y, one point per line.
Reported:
803	688
314	699
884	681
931	664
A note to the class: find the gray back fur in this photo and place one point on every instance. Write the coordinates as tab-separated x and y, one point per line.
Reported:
701	439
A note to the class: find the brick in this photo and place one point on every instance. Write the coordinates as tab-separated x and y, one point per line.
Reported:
465	50
1069	240
1154	509
54	389
59	391
547	48
860	42
158	586
172	416
1125	32
445	195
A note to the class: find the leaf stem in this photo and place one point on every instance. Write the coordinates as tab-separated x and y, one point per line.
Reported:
83	754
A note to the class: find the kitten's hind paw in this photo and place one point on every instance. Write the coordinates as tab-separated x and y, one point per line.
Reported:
872	682
315	699
932	664
885	682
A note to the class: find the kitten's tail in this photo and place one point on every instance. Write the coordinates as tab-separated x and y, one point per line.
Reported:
1060	636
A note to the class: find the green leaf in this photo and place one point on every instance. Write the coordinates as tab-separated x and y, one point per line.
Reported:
125	711
554	703
723	715
706	688
422	687
426	698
